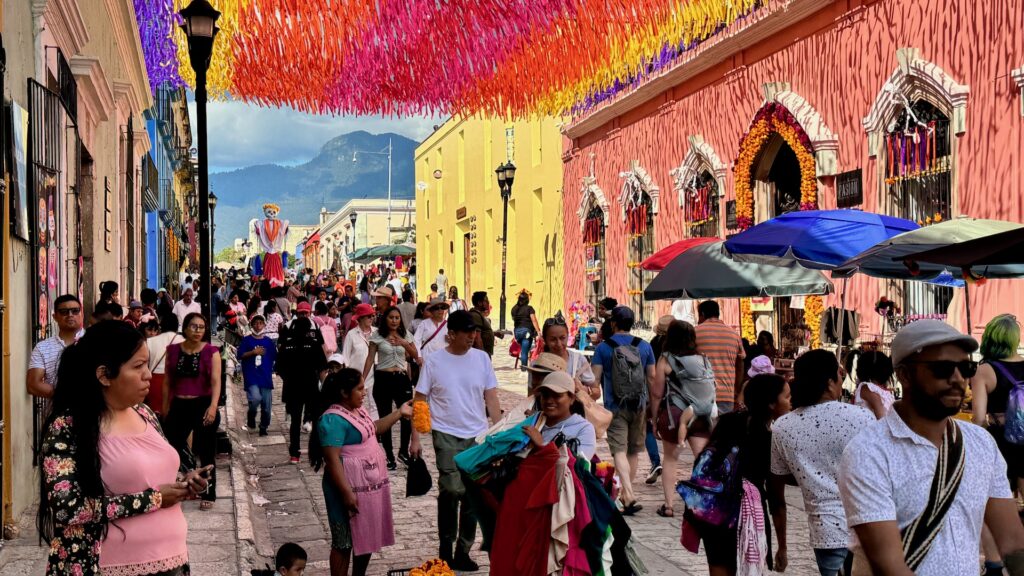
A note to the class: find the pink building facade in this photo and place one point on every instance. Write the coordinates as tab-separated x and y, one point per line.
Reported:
923	98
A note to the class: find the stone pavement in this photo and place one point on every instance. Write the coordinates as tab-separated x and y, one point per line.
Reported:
287	503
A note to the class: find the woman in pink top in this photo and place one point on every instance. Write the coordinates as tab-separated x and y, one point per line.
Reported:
111	484
193	381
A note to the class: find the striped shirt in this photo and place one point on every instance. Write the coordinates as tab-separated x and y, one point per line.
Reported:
46	356
722	345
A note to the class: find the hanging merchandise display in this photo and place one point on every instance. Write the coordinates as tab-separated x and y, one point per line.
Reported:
496	57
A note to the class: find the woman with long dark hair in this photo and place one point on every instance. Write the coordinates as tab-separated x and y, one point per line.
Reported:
766	397
525	327
356	486
388	356
874	374
102	454
110	292
192	396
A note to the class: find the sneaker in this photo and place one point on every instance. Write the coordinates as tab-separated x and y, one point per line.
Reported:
294	460
463	563
392	465
654	475
307	427
263	432
403	458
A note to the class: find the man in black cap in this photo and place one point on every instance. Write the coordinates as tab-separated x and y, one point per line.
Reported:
460	385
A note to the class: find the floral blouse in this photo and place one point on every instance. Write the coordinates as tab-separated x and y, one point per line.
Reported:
78	519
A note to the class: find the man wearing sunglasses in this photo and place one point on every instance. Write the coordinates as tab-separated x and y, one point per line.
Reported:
42	365
918	484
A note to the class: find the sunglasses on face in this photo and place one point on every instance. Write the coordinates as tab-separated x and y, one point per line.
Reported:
943	369
68	311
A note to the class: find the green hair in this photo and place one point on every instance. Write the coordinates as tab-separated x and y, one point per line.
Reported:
1001	337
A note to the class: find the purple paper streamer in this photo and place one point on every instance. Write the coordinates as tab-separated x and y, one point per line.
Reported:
156	20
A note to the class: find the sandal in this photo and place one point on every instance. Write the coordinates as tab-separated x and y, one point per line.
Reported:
632	508
206	505
666	512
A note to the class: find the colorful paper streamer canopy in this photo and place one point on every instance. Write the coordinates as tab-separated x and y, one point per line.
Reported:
509	58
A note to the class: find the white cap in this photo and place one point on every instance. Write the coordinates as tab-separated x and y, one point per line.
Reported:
921	334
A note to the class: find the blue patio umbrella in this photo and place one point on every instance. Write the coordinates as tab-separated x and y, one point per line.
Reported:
817	239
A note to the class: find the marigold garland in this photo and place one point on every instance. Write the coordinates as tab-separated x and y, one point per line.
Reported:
435	567
775	118
421	416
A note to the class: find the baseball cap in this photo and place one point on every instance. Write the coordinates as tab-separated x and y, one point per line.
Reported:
384	292
437	303
461	321
337	359
921	334
134	304
559	382
161	289
621	313
363	310
548	362
761	365
303	307
663	324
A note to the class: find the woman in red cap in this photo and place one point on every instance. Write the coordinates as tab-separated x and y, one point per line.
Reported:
356	345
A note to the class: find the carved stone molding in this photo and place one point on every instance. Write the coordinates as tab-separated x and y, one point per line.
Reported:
699	157
638	181
824	141
592	195
914	79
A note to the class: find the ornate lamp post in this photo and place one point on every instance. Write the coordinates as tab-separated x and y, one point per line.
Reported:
213	222
506	175
352	218
200	26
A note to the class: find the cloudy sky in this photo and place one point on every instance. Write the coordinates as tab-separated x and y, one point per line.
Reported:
242	134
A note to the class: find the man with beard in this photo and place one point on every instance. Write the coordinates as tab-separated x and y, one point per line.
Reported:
918	484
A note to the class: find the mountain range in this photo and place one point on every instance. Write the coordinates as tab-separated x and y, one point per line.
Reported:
329	179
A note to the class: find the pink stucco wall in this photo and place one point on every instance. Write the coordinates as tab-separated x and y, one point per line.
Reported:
837	60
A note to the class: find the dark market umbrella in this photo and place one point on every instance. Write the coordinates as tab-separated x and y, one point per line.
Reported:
390	251
657	261
818	239
704	271
1002	249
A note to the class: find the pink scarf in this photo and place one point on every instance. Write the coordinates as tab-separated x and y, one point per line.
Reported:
752	545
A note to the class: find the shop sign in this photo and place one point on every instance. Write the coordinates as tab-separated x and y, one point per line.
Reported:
730	214
849	189
460	213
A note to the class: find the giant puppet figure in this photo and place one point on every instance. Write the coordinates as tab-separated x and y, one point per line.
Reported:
271	233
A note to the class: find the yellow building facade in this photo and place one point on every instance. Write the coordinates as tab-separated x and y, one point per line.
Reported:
459	210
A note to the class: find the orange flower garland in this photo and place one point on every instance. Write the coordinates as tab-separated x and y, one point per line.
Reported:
436	567
421	416
775	118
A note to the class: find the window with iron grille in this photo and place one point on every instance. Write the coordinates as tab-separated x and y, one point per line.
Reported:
640	236
918	179
593	246
700	207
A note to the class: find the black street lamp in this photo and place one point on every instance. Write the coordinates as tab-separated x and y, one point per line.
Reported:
200	26
213	222
352	219
506	175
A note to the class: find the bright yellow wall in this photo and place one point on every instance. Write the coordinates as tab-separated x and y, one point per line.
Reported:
466	200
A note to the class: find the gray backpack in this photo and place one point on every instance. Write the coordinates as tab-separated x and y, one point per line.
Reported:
629	382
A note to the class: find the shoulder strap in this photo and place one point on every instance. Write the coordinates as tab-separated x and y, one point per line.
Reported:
1005	372
436	332
920	534
636	342
612	343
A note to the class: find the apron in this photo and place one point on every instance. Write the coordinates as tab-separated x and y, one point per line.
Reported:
366	470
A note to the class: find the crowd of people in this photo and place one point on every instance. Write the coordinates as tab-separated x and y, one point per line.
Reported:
892	479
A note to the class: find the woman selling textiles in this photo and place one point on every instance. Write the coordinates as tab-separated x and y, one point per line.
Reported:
356	487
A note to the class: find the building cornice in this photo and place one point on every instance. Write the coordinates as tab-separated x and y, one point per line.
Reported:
773	18
93	88
64	21
129	47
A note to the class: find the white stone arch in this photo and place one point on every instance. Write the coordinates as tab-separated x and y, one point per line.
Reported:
700	157
636	182
915	79
824	142
591	195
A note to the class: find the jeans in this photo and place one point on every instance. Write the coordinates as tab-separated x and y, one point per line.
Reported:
185	417
725	407
259	398
392	388
830	560
458	503
652	447
522	336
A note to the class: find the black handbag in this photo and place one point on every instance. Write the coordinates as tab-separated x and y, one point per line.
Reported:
418	482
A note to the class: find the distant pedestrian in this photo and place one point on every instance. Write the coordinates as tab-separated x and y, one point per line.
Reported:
110	292
407	307
874	376
485	334
454	302
257	353
185	306
625	365
724	348
357	490
462	390
441	281
134	318
299	362
41	379
919	485
158	361
432	333
389	357
193	379
356	346
434	292
525	327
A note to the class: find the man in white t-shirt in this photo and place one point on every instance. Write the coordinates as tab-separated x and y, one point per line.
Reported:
807	445
887	477
460	385
185	306
442	283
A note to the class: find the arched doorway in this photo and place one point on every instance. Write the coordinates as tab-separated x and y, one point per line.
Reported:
776	181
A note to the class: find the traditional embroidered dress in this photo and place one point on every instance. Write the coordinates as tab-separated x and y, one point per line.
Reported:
271	233
366	471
